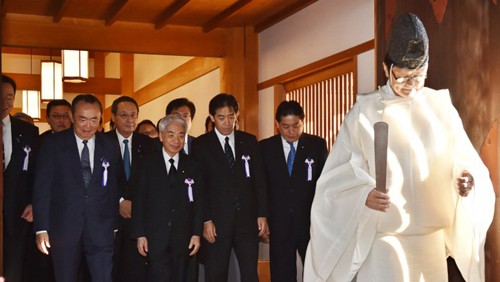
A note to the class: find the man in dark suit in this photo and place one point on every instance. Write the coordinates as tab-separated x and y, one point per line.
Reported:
18	138
75	198
293	161
128	265
58	116
185	109
168	209
236	196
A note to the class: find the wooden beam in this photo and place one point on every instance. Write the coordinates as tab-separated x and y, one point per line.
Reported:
29	51
62	5
318	65
121	37
239	75
37	51
281	15
217	20
93	85
43	114
127	74
165	17
115	11
99	64
176	78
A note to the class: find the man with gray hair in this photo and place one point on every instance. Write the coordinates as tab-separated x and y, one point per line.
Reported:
168	219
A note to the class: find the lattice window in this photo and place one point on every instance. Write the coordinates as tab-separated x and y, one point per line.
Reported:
325	104
326	96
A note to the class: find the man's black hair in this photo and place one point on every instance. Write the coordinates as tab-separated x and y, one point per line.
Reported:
55	103
222	100
87	98
179	102
287	108
114	106
6	79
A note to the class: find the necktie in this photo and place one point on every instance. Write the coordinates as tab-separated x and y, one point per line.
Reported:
172	172
126	159
85	163
229	154
291	158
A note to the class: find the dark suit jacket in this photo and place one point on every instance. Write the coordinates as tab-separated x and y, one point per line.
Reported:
61	204
17	184
233	201
142	145
291	196
190	141
162	210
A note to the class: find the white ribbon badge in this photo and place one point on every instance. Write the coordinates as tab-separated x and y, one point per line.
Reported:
27	150
189	182
309	163
247	166
105	165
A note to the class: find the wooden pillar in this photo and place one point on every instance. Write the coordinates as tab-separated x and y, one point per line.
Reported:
239	75
127	73
99	71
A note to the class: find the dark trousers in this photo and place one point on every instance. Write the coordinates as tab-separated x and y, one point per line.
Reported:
166	265
16	248
67	259
128	264
282	254
216	257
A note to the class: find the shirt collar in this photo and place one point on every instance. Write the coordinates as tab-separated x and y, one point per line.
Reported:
168	157
222	138
121	138
6	120
286	142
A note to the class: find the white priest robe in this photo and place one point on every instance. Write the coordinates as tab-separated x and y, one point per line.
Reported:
427	220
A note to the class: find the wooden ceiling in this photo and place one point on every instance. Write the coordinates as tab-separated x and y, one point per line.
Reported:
169	27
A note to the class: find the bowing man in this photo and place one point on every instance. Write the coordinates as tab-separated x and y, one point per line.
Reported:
236	195
167	209
293	161
75	198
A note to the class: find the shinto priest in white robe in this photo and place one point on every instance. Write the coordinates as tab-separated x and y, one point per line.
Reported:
427	220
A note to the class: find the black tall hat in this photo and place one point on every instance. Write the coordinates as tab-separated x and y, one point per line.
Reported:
409	44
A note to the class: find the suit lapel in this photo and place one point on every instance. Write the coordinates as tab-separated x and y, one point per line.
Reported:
240	150
300	156
17	144
98	158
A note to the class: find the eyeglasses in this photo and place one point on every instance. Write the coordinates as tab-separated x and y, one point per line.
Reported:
128	116
405	80
64	117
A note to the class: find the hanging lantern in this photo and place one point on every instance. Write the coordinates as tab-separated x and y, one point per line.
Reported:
75	66
52	85
31	103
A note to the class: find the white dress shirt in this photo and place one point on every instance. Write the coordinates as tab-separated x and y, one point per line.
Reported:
7	140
